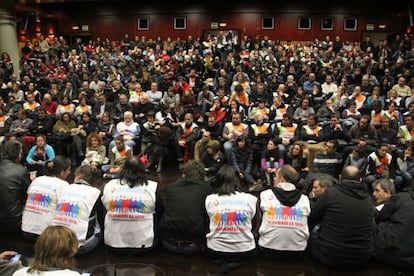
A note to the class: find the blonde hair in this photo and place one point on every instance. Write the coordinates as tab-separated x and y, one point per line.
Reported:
55	247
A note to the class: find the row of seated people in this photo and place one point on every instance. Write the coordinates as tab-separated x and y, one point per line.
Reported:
362	134
281	222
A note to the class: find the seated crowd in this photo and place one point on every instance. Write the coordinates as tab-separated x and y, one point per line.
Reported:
326	141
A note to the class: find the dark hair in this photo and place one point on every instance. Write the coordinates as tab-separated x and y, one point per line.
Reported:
286	115
334	142
359	150
238	88
66	113
11	150
55	166
290	152
289	173
194	169
245	139
133	172
85	172
227	180
325	181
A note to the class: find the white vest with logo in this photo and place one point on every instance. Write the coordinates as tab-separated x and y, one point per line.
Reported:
231	222
129	221
43	196
75	207
283	228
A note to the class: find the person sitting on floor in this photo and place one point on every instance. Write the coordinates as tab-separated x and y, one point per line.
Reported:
393	242
233	221
133	206
80	209
343	239
284	231
184	224
118	155
43	195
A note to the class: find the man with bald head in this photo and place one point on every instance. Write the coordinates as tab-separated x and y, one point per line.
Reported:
49	104
344	220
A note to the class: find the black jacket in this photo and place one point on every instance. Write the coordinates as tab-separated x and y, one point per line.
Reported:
345	215
394	243
13	187
185	217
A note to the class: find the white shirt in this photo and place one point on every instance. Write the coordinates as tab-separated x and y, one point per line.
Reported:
63	272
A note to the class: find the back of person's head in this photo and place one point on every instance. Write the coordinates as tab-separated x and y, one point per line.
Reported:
133	172
385	184
194	169
325	181
84	172
55	248
351	173
56	166
289	173
238	88
227	180
11	150
214	145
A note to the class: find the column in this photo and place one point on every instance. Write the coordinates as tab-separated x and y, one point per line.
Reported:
8	32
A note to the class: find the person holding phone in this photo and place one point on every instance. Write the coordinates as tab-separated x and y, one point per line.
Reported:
9	262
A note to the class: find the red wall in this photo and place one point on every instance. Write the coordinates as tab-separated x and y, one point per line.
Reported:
115	21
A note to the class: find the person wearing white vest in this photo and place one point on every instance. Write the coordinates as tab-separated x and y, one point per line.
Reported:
284	231
43	195
232	216
78	209
132	205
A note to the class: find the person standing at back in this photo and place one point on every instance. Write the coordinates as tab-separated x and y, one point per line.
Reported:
344	216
